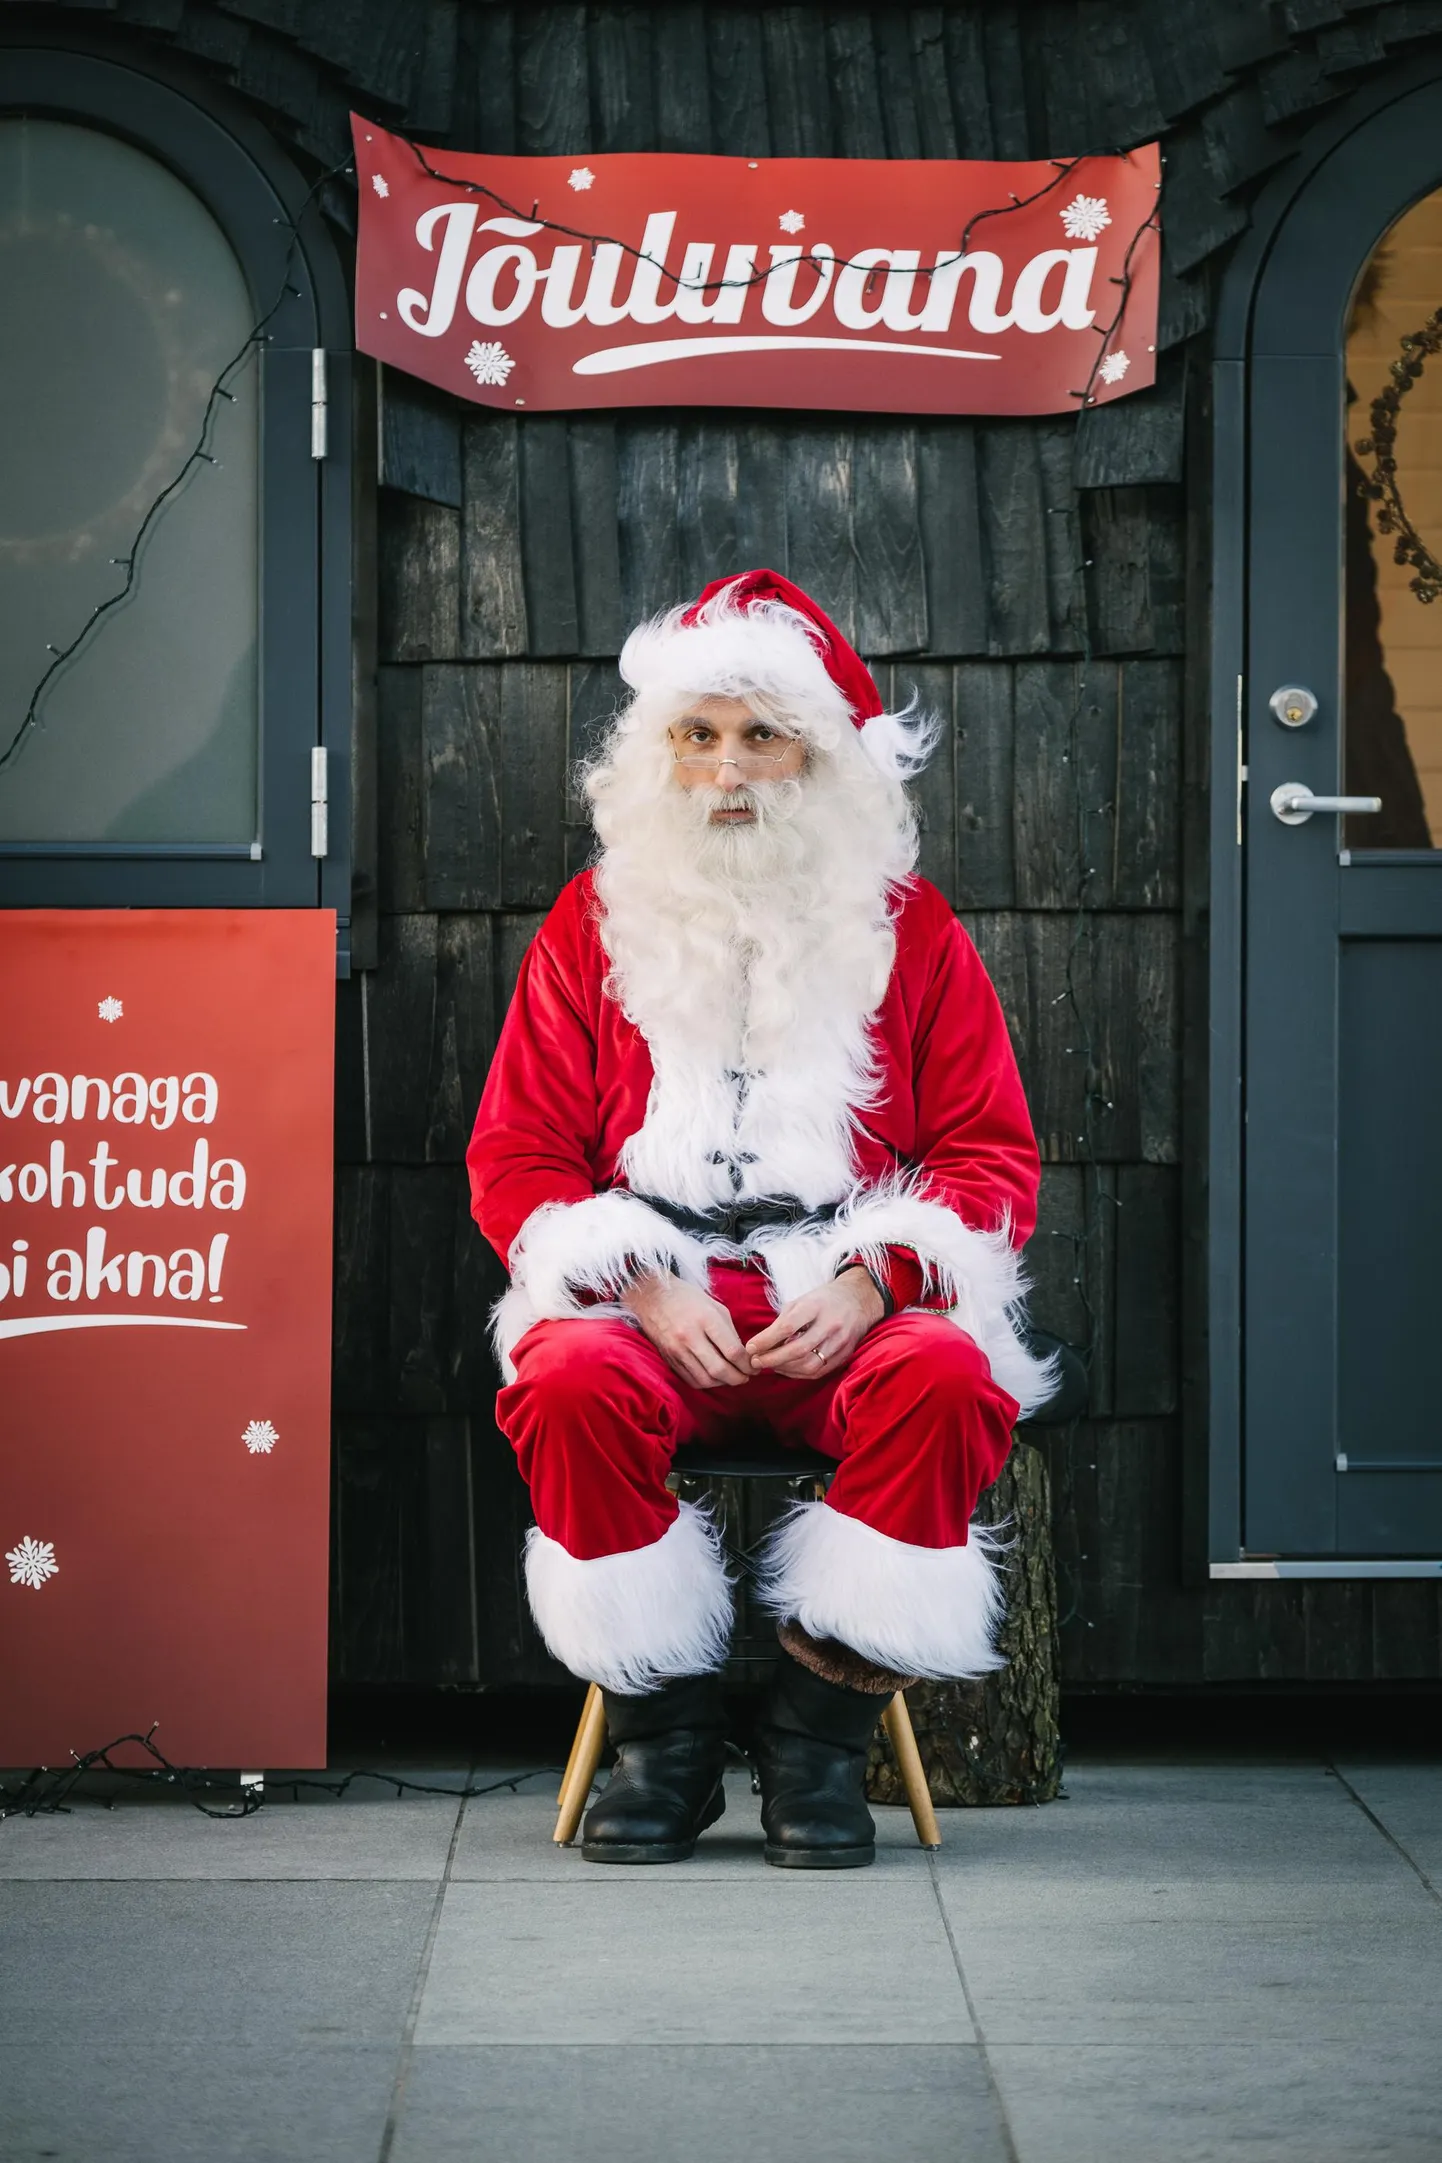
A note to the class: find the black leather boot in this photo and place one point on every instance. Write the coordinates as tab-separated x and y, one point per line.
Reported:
665	1787
810	1751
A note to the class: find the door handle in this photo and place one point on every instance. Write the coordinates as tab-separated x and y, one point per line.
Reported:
1294	803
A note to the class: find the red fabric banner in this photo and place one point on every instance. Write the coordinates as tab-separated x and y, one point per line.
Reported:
860	284
166	1082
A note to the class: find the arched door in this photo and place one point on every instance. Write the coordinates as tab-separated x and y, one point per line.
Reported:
166	340
1337	391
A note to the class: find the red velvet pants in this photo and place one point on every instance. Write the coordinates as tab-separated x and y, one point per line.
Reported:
915	1421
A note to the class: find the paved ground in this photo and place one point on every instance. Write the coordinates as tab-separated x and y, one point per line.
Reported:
1183	1961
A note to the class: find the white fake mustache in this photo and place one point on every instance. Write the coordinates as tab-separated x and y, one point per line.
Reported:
774	804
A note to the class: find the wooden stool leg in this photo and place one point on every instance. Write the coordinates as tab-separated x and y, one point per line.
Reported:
585	1757
900	1734
575	1744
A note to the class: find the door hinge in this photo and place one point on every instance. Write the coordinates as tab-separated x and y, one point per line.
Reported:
317	402
319	803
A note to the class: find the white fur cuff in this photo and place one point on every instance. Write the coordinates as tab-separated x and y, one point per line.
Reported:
930	1611
634	1620
980	1273
565	1248
592	1246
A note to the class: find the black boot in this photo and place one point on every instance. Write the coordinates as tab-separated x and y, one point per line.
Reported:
665	1787
810	1750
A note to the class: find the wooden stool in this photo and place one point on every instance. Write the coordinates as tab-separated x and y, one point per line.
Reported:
750	1458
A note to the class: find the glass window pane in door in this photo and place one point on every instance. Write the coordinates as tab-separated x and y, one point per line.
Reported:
123	303
1393	537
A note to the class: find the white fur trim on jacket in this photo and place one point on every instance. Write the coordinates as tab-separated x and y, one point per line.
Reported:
631	1621
929	1611
980	1273
565	1248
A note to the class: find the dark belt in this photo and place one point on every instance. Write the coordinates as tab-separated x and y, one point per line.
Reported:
738	1221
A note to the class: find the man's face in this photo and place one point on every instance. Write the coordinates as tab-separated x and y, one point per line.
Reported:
721	745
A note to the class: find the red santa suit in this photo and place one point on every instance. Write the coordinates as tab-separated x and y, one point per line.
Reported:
916	1156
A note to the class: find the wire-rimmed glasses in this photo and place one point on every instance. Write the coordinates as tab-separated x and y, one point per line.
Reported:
754	765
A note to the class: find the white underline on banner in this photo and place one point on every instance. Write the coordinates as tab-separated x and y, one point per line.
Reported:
614	360
34	1325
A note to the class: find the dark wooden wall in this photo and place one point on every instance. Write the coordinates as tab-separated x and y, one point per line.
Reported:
970	571
1041	585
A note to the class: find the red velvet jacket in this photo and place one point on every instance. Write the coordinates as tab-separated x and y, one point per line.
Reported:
945	1161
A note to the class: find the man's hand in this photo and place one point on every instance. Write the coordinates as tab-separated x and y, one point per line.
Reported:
693	1333
820	1331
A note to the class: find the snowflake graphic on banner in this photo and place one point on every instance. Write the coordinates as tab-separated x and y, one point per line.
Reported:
32	1562
791	221
1085	217
489	363
378	182
260	1437
581	179
1114	367
110	1010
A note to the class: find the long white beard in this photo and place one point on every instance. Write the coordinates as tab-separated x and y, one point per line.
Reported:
751	958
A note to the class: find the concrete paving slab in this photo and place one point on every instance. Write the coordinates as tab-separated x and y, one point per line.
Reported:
1125	1845
509	1836
1278	2102
1408	1800
654	1957
149	1838
702	2104
1188	1960
155	2103
1186	1982
274	1965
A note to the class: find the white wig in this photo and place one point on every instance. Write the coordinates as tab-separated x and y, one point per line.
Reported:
765	947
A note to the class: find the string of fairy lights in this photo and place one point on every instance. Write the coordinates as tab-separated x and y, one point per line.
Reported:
47	1790
723	283
199	454
50	1791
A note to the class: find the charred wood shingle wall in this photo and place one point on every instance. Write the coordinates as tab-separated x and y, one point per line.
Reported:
1040	585
973	575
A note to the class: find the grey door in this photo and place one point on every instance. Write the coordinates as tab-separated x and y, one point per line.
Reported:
1342	1194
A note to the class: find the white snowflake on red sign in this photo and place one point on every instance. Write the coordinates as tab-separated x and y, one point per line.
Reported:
260	1437
1114	367
791	221
489	363
32	1562
1085	217
110	1010
380	185
581	179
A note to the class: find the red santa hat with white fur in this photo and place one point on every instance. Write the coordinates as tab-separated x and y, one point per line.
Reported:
756	634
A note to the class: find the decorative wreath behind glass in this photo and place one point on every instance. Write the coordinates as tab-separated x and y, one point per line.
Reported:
1380	484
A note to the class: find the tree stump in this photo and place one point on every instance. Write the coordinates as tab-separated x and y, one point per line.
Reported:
997	1740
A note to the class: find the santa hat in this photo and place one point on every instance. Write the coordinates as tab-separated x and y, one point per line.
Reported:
842	663
756	632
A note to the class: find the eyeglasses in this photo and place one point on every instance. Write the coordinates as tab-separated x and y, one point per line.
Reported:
757	764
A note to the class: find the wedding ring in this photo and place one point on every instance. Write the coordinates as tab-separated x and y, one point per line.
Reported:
820	1355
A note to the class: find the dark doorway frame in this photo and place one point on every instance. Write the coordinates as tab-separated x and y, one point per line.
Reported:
1235	706
255	193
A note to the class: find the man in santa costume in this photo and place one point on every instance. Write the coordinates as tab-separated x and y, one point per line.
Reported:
754	1147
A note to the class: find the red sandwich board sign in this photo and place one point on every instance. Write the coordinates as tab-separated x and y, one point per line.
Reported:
872	285
165	1255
